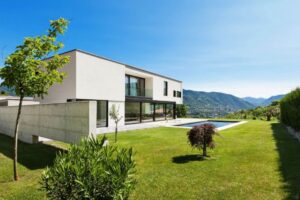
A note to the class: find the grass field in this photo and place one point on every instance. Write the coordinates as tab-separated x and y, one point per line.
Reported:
256	160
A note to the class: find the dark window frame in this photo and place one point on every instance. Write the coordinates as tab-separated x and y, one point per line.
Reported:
166	85
178	94
128	86
154	110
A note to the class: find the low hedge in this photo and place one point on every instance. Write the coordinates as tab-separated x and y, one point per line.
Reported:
290	109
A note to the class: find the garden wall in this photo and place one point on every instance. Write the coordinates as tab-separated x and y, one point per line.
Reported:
66	122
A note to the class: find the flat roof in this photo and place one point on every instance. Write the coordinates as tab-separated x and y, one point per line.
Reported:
126	65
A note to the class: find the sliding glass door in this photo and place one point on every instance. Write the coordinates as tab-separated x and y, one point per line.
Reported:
160	111
170	110
137	112
147	112
132	112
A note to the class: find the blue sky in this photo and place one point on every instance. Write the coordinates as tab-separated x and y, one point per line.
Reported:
246	48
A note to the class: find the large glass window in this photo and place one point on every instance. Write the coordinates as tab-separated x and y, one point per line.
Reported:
160	111
170	110
134	86
101	113
132	112
147	112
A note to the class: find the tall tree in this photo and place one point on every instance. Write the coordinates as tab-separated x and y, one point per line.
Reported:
29	73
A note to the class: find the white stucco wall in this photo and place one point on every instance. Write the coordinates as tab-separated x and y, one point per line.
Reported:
95	78
67	122
98	78
59	93
155	84
158	90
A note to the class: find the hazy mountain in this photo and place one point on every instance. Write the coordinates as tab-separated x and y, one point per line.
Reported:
263	101
254	101
268	101
212	104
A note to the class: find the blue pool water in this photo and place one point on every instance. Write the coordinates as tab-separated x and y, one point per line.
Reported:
217	124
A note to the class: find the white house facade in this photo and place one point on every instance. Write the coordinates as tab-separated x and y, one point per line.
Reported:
141	96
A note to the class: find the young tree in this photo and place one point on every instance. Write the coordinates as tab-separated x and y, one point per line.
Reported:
114	114
201	137
29	73
181	110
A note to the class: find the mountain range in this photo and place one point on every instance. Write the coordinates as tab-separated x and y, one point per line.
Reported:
217	104
263	101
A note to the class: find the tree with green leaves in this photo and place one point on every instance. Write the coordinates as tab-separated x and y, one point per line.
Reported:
181	110
29	73
114	114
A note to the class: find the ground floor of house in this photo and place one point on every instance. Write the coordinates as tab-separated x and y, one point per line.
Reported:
134	111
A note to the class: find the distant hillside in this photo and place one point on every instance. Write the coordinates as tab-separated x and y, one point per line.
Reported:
6	90
263	101
213	104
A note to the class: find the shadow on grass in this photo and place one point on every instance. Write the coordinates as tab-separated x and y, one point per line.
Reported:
187	158
32	156
289	157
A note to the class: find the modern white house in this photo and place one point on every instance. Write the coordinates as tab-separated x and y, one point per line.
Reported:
141	96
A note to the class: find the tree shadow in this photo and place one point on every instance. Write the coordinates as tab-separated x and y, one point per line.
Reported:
32	156
187	158
289	159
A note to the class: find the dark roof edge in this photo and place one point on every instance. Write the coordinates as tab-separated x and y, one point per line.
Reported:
129	66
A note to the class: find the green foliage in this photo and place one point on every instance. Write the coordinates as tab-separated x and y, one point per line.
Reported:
201	137
181	110
271	112
27	71
90	171
290	109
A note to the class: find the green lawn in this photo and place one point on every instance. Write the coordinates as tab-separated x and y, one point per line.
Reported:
256	160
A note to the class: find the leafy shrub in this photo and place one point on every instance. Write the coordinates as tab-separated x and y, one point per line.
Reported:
290	109
181	110
90	171
201	137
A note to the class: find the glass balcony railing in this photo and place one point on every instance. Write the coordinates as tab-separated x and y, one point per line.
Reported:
138	92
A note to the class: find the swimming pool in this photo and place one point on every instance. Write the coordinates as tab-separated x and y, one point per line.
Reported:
217	124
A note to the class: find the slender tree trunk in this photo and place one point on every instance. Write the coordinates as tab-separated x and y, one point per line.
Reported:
116	133
204	150
16	177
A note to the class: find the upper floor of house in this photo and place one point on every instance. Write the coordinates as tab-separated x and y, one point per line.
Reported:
96	78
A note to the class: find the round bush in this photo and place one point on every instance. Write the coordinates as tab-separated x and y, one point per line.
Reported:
90	171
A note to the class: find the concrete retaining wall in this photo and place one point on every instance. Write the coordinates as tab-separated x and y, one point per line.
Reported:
66	122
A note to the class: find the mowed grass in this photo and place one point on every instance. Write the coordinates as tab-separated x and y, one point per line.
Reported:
256	160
